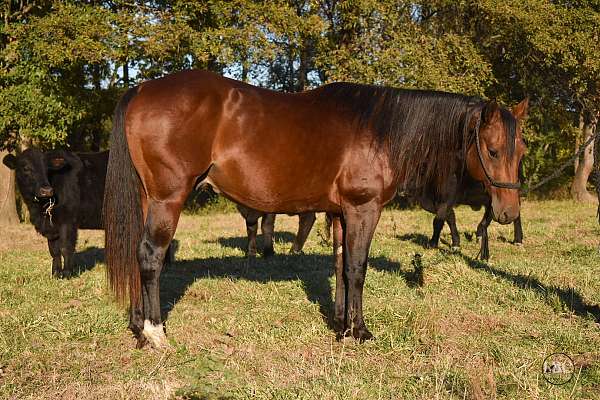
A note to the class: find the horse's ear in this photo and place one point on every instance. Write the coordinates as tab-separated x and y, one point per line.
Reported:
521	109
10	161
490	110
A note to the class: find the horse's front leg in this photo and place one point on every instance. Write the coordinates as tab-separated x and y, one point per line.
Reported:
518	231
360	223
482	234
161	222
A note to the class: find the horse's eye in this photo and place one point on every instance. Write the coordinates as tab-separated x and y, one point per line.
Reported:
493	153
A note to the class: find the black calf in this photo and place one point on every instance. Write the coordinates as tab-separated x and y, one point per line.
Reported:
63	192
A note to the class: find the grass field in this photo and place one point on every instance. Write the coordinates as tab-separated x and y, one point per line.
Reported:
460	329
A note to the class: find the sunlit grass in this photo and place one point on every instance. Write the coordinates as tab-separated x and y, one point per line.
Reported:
239	329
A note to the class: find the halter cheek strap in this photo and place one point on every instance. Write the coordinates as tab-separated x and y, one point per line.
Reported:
493	182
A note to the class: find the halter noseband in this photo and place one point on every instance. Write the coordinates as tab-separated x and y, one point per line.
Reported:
493	182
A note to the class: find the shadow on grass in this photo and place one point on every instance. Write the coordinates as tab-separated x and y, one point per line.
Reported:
313	270
569	298
241	242
87	259
416	238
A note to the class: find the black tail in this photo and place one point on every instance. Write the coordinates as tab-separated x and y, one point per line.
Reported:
122	212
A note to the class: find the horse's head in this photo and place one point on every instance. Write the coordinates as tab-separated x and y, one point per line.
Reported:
494	155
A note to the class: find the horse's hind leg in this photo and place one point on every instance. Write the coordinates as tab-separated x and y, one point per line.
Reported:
518	231
251	218
161	222
451	221
438	224
305	224
267	227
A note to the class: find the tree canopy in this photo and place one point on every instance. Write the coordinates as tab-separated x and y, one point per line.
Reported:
64	64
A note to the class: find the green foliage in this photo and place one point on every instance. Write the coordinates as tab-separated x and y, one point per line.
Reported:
63	63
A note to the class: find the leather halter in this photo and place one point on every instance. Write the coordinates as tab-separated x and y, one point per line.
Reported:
493	182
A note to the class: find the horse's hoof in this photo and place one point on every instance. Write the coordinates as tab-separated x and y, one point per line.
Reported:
294	251
518	244
141	342
155	335
455	249
431	245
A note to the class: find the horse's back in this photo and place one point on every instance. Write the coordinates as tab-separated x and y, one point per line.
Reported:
271	151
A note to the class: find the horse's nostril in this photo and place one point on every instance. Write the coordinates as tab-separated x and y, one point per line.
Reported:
45	191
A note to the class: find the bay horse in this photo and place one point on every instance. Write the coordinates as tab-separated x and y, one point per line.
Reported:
267	226
470	193
342	148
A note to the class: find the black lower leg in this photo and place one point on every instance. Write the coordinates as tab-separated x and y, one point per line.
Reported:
54	247
267	227
68	240
360	222
518	230
438	224
305	224
482	232
451	221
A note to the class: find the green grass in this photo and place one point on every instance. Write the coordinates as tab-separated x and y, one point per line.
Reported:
238	329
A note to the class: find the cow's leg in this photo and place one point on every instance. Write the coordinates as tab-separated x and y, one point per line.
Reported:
438	224
54	247
482	233
518	231
305	224
339	317
359	225
267	227
251	218
451	221
68	241
161	222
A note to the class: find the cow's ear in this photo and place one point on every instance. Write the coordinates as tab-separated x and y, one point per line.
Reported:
56	163
10	161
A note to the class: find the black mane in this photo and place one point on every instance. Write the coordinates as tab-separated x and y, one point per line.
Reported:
425	133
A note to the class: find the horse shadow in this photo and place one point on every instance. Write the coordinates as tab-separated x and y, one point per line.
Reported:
569	298
241	242
312	270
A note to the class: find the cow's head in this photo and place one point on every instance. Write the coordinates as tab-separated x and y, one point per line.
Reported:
32	171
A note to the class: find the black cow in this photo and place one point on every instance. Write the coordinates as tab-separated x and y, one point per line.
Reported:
63	192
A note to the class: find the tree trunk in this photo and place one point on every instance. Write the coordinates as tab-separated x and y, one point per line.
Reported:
578	143
8	205
584	168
